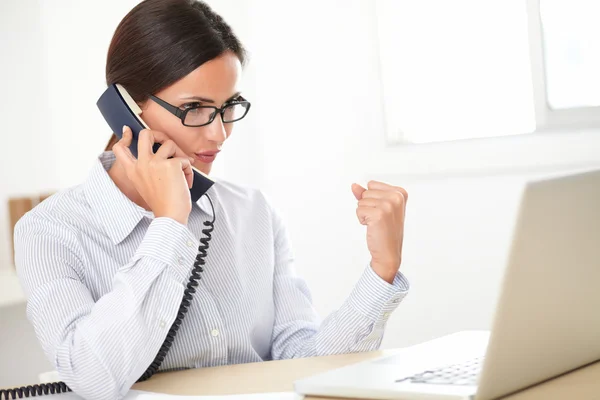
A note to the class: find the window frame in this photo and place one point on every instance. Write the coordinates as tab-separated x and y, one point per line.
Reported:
547	118
563	139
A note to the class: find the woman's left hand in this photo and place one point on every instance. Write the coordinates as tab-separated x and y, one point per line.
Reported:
381	208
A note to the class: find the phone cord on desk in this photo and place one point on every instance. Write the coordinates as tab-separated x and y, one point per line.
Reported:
61	387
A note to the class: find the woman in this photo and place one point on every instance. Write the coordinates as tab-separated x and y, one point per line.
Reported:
104	264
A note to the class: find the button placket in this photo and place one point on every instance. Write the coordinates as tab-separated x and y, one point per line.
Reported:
214	325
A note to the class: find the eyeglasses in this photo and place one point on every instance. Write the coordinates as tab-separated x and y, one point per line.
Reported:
203	115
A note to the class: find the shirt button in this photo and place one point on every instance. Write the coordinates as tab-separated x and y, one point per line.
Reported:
386	315
180	260
162	324
214	332
190	243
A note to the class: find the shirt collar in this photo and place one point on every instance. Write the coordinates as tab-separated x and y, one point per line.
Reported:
116	212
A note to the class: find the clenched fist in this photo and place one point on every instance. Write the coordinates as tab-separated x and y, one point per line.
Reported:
381	207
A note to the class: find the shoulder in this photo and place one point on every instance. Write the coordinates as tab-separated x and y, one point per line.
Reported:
237	195
57	216
238	191
46	244
260	205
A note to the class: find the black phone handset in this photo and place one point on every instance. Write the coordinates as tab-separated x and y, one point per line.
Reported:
118	109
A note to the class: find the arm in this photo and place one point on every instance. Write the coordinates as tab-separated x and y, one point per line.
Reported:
101	348
357	326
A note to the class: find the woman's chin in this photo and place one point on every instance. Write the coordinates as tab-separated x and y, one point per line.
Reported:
202	167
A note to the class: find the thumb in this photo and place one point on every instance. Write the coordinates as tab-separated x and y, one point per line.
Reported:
358	191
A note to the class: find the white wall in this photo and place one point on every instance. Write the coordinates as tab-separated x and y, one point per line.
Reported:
26	164
314	129
23	358
320	118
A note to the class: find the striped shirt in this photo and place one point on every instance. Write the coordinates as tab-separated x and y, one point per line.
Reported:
104	279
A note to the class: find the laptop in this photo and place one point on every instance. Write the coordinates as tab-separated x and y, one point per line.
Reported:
546	322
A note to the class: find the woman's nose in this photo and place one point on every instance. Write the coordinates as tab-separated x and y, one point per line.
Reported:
216	131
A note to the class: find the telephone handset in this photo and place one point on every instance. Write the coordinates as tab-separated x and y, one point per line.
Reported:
118	108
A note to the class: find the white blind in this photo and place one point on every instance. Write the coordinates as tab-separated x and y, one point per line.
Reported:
455	69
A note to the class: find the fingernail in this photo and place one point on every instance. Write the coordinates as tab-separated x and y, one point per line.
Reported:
192	159
124	129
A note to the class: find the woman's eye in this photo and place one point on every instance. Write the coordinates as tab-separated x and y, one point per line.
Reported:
190	105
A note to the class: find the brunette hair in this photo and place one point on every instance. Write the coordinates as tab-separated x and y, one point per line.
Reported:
161	41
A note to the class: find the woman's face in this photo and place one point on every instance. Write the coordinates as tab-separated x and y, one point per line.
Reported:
214	83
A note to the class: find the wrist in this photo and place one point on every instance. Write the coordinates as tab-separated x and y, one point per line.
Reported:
386	270
177	218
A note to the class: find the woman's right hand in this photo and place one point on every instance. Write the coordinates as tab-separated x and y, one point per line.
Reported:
163	182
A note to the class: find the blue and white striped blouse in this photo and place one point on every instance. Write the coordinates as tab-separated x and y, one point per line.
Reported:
104	280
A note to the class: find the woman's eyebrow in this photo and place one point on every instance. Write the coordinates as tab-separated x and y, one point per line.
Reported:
205	100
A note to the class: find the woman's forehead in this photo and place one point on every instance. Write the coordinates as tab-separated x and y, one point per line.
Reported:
217	79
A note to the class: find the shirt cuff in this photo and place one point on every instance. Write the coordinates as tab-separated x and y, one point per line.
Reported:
375	298
172	243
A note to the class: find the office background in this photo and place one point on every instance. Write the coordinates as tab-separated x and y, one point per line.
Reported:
413	93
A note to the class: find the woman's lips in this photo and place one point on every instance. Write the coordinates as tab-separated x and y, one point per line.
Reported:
207	157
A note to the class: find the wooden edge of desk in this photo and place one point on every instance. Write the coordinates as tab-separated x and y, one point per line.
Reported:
279	376
260	377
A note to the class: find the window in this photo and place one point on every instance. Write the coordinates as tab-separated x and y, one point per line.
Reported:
467	69
455	69
571	44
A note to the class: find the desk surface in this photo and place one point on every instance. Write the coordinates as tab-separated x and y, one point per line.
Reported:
279	376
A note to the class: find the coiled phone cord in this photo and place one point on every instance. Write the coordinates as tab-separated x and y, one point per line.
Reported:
61	387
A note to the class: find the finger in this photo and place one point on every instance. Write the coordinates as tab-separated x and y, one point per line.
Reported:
186	166
145	142
377	185
394	197
121	149
369	215
169	150
162	138
386	205
357	190
369	202
188	171
127	136
166	150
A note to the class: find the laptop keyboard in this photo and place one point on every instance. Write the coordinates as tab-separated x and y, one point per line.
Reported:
457	374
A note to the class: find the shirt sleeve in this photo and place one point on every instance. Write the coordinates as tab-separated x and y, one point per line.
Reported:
358	325
101	347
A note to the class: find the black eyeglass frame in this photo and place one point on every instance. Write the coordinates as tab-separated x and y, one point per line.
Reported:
181	114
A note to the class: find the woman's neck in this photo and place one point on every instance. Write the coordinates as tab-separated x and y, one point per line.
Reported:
119	176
